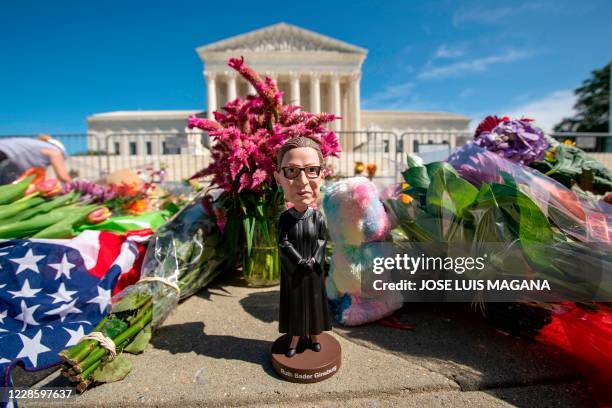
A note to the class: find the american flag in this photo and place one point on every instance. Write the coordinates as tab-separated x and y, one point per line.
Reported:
52	292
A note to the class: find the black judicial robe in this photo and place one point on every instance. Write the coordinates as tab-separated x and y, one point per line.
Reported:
303	301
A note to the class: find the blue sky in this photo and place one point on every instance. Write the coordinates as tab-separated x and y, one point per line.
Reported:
61	61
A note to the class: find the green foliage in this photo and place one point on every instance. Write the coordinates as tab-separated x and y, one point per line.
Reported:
592	105
573	165
113	327
115	370
139	344
449	212
11	192
448	208
12	212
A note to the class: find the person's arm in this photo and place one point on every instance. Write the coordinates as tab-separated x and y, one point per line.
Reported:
58	164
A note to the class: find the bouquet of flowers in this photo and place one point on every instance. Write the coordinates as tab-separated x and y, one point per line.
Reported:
184	256
247	134
521	142
517	140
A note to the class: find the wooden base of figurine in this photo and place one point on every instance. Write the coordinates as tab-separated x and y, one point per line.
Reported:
307	365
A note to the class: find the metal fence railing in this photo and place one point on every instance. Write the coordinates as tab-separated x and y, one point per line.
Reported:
589	142
93	156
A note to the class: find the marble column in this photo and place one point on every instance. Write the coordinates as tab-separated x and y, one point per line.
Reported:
335	99
251	88
315	93
211	94
295	88
231	86
355	101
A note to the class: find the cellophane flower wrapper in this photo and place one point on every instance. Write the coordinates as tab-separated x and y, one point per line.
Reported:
526	223
184	252
580	216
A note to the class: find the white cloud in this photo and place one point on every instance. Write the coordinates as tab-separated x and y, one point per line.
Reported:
548	110
393	96
478	13
466	92
446	51
473	65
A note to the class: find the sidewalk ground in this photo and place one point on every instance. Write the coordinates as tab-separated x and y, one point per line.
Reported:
215	350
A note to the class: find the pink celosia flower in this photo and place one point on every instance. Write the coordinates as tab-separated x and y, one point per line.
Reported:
248	132
245	181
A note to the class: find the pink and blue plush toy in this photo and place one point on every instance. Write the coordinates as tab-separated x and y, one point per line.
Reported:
357	223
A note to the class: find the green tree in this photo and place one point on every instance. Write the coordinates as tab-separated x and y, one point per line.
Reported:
592	105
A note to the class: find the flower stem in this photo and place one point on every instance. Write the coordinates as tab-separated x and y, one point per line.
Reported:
83	386
100	352
69	355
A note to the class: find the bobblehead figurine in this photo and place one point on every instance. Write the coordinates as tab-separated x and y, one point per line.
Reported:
304	353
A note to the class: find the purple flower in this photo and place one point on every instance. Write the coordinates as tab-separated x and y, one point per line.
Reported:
90	191
516	140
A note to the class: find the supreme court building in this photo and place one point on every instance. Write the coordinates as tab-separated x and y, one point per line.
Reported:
320	73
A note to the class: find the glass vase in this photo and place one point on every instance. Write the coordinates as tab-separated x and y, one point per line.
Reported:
261	267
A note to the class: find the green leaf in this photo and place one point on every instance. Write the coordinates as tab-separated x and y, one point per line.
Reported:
435	167
508	179
115	370
572	162
172	208
47	206
413	160
114	326
11	192
522	214
488	219
502	213
13	212
416	177
28	228
450	192
404	214
66	227
140	342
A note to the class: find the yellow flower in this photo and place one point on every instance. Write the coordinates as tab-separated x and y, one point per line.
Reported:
569	142
359	167
406	199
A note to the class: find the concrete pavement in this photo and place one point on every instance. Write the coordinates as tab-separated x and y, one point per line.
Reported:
214	351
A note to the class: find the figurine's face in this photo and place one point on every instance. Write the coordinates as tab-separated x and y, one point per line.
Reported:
299	178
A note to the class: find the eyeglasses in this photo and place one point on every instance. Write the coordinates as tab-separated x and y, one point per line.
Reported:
312	172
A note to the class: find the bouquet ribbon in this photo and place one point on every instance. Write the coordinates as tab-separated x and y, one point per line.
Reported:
105	342
162	280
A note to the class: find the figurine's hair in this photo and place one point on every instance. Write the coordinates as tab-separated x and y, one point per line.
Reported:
294	143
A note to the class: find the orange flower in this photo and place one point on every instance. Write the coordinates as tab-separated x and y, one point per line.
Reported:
99	215
406	199
371	167
136	207
38	172
124	189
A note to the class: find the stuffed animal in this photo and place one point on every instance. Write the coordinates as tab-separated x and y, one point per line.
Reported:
358	225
